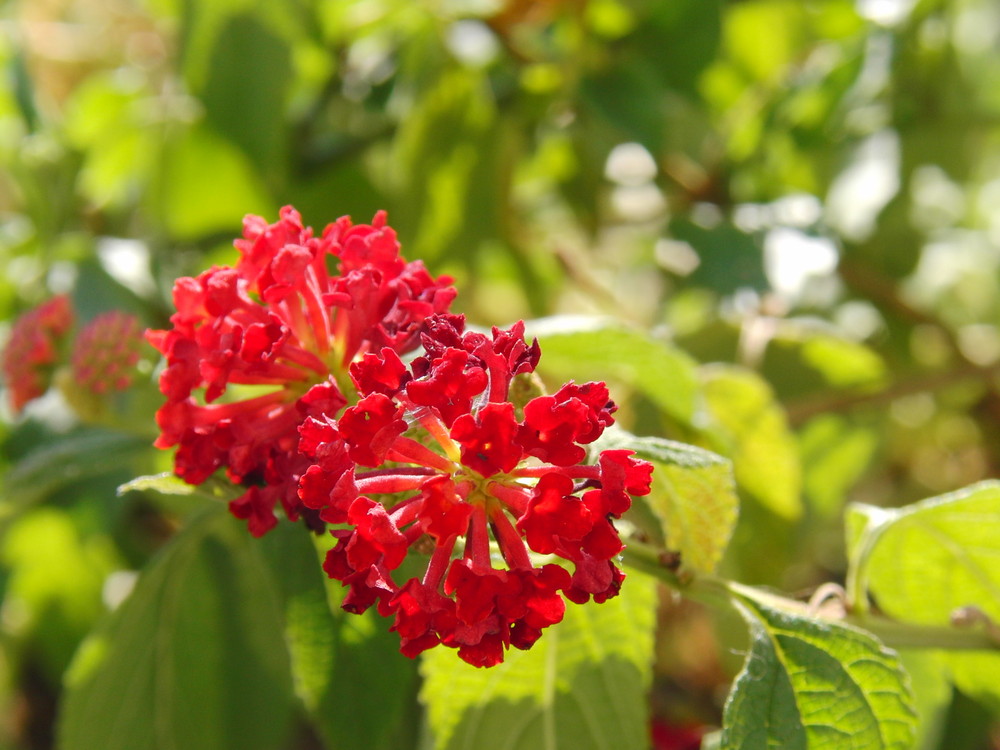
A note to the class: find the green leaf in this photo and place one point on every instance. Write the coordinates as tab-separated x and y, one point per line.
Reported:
71	459
690	29
693	496
835	453
167	483
250	64
730	258
755	435
190	204
193	659
585	348
844	363
452	187
340	662
814	684
925	561
763	37
582	686
932	695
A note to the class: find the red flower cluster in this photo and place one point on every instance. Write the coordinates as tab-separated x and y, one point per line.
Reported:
460	463
293	380
106	351
257	348
32	353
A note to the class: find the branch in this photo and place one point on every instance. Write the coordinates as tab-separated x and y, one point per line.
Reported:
801	411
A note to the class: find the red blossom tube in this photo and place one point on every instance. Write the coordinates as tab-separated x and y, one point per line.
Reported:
511	545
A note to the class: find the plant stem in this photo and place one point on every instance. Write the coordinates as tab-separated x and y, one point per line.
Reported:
720	593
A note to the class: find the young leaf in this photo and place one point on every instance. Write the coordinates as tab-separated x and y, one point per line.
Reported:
813	684
582	686
926	561
693	496
194	658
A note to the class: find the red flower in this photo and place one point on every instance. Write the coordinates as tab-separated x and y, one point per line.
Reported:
32	352
257	348
466	477
106	351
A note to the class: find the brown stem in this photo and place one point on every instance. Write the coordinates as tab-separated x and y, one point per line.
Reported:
803	410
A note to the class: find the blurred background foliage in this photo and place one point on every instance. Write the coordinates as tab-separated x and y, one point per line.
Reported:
790	209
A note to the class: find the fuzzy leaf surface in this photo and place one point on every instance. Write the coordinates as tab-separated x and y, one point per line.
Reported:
809	685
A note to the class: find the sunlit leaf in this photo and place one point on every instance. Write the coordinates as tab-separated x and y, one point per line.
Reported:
582	686
693	496
924	562
843	363
808	684
763	37
597	349
755	435
215	488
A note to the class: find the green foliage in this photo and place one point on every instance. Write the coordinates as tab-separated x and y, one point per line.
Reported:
580	686
929	561
807	684
693	497
770	225
338	660
584	348
753	430
53	465
192	658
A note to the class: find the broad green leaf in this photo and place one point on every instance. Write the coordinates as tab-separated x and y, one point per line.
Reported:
835	453
809	684
69	459
250	64
925	561
585	348
755	435
359	691
194	658
693	496
582	686
207	185
764	37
